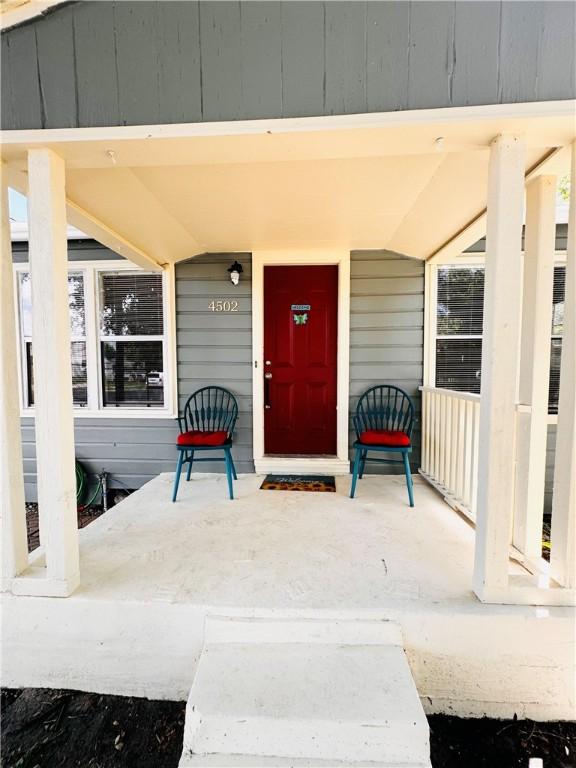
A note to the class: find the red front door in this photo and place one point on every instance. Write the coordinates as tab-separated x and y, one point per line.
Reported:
300	336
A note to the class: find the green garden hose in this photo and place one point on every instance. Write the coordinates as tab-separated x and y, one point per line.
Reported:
82	487
81	481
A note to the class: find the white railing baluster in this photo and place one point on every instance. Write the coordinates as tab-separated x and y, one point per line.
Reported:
450	431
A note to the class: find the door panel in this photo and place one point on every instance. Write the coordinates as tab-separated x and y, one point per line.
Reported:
300	346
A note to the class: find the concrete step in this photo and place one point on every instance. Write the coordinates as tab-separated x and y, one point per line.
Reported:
249	761
304	693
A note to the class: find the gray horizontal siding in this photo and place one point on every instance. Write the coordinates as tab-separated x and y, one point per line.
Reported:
216	347
134	63
133	451
386	330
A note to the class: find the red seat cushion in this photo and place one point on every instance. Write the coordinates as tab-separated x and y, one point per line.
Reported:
203	438
384	437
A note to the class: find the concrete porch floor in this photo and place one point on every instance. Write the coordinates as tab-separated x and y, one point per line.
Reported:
153	570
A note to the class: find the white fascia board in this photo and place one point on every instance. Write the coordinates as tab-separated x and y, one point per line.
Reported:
527	110
19	232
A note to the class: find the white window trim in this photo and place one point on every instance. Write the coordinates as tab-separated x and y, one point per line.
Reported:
94	409
431	293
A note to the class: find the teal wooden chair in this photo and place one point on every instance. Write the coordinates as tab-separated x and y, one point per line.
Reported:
383	422
207	425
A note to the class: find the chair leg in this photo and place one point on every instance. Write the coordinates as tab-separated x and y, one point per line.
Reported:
228	459
362	464
177	478
408	474
190	461
355	471
234	475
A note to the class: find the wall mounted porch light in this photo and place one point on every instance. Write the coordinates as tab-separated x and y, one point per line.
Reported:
235	271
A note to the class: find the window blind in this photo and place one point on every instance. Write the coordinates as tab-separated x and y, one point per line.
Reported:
132	369
131	305
460	300
77	333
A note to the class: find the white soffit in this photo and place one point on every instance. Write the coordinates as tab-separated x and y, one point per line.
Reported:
386	186
14	12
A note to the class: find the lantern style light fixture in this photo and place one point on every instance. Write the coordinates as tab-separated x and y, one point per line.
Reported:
235	271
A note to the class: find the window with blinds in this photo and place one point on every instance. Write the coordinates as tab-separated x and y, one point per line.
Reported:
459	309
557	330
131	339
77	333
459	316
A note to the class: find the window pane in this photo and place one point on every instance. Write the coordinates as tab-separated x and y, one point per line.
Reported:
79	379
460	301
555	356
26	303
75	303
558	301
131	305
132	373
458	363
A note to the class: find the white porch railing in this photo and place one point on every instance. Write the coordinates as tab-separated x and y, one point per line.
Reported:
450	430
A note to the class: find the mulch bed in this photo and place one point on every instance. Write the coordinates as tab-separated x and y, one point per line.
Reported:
485	743
44	728
85	517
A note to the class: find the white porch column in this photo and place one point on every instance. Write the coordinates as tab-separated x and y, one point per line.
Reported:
500	365
532	418
12	510
562	556
54	415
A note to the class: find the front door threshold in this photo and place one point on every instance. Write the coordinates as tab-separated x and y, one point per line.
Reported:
302	465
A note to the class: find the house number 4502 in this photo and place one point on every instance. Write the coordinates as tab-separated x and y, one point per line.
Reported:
223	306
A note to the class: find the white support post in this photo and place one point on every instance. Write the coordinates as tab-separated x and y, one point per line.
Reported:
562	545
54	415
12	509
532	417
500	366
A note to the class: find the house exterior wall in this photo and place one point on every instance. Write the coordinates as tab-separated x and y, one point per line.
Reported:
386	332
134	63
216	347
387	304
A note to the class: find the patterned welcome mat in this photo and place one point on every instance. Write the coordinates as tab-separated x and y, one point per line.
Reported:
319	483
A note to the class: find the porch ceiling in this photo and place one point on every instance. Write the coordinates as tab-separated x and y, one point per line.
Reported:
172	196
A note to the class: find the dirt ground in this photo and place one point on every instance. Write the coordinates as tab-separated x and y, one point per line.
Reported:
44	728
85	517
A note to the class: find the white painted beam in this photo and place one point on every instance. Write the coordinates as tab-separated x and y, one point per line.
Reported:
562	552
54	415
532	417
12	509
89	224
554	162
500	363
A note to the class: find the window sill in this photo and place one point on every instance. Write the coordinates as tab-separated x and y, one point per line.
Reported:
113	413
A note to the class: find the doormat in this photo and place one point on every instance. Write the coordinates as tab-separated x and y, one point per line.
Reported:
318	483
